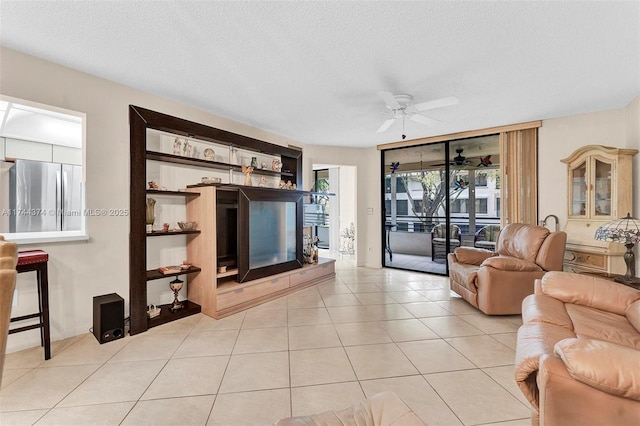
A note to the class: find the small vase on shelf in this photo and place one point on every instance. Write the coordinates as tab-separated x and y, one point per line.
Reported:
150	214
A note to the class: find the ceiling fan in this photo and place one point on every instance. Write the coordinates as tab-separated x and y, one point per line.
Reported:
403	107
459	160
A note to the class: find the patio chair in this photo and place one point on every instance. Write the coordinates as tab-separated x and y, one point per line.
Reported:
439	240
486	237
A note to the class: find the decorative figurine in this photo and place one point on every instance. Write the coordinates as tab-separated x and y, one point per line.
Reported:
310	249
276	165
153	185
151	216
176	285
186	148
247	175
282	185
209	154
177	146
289	185
263	182
195	152
254	162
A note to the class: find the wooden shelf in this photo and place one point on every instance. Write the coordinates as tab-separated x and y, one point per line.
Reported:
171	193
166	315
229	273
154	274
165	234
197	162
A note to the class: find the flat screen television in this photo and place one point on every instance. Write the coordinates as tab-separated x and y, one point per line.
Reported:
269	232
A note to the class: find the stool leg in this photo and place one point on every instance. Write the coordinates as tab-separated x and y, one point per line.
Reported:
39	287
43	281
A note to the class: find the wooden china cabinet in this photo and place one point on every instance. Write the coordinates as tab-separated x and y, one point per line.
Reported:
599	190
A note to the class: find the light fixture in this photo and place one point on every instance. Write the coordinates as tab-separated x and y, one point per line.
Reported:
623	231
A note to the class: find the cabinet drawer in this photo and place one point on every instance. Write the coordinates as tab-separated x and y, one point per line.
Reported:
589	260
311	273
569	267
251	292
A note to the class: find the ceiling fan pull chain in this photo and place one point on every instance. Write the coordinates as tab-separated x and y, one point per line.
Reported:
403	135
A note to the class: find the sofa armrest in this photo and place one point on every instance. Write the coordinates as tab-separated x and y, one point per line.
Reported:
602	365
472	255
590	291
537	287
506	263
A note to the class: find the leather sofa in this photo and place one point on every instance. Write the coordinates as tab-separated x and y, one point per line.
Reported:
578	351
8	260
497	282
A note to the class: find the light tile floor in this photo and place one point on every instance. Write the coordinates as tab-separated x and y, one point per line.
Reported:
322	348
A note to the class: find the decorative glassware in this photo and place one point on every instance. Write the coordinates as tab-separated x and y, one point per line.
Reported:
150	214
176	286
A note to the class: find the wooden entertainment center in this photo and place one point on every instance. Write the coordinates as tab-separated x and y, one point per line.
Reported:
257	276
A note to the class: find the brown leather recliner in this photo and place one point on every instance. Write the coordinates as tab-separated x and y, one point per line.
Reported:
578	352
497	282
8	259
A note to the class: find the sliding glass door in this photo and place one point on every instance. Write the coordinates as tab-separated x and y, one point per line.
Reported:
436	198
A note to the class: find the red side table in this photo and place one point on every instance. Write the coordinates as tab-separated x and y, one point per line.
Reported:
36	260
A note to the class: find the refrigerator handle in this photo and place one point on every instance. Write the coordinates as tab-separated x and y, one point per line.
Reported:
59	206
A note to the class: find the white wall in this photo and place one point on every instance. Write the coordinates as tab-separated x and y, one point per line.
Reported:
79	271
367	163
348	194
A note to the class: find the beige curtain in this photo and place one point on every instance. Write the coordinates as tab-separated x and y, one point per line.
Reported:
519	176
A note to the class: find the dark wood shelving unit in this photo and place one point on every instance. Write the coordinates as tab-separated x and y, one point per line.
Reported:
166	315
154	274
172	193
168	233
141	120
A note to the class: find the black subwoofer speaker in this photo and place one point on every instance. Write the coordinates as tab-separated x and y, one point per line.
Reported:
108	317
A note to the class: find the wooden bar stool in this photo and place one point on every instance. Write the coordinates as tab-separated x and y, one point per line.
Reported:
36	260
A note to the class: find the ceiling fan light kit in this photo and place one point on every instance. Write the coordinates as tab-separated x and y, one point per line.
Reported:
403	107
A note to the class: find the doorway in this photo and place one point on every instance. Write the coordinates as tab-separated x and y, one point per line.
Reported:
437	197
333	207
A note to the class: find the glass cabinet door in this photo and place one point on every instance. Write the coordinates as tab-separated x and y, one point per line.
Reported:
579	190
602	188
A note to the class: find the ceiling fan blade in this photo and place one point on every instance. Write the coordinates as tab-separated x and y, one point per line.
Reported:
385	125
389	99
427	121
437	103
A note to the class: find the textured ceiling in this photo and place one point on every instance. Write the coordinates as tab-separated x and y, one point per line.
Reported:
311	71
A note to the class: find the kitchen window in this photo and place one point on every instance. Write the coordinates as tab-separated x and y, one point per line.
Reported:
42	195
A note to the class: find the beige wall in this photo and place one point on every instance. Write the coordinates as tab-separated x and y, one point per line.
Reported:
80	270
559	137
632	139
